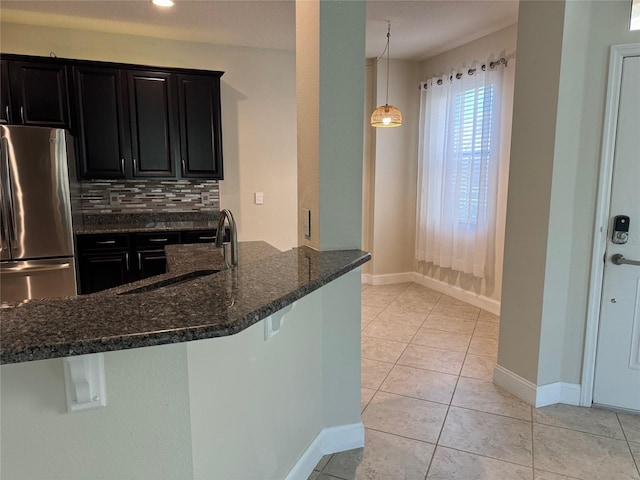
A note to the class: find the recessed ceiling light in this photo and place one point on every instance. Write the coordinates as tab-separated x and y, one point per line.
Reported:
163	3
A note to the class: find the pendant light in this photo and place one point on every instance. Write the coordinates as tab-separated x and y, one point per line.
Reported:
387	115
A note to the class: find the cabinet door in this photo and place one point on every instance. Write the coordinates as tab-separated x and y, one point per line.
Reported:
150	263
39	94
103	141
102	270
154	134
200	126
5	114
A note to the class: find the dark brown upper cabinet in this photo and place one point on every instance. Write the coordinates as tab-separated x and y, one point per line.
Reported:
200	126
129	121
154	128
5	93
39	94
104	149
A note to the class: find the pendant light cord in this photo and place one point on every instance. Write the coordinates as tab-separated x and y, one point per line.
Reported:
388	53
385	48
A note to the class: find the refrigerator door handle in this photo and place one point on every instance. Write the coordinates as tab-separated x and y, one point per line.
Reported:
7	194
41	267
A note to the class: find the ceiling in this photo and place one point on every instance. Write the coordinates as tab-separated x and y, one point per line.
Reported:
419	29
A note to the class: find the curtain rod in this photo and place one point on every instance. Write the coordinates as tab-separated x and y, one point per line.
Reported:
471	71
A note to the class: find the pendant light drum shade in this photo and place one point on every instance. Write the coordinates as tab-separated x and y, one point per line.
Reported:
386	116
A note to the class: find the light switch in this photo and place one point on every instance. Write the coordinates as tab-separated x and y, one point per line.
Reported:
259	198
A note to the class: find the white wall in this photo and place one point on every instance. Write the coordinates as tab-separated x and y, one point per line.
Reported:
256	405
258	113
231	407
143	433
563	52
391	169
491	47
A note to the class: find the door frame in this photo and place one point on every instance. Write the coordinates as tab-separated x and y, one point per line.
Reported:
617	56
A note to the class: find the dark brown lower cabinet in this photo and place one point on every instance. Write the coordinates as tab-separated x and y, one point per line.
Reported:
107	261
102	270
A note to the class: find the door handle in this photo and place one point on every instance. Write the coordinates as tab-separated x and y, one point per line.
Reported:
6	192
36	268
618	259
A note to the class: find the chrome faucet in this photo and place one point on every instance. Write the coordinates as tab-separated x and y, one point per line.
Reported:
233	233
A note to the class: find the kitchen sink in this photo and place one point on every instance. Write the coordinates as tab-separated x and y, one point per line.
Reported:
171	281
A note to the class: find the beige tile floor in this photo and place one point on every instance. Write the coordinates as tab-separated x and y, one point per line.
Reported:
431	412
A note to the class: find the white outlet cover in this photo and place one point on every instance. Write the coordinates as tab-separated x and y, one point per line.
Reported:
85	383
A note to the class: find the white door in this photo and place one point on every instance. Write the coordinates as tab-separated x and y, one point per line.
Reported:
617	374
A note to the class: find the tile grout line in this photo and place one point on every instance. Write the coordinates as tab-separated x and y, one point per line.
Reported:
627	440
444	421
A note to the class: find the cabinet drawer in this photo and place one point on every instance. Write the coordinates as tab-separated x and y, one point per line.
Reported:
199	236
103	241
156	240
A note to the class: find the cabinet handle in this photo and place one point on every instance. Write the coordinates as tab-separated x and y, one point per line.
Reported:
122	165
184	166
6	111
135	165
158	239
139	261
22	114
204	237
126	260
105	242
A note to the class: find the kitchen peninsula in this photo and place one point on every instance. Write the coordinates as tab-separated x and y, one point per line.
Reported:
191	405
213	305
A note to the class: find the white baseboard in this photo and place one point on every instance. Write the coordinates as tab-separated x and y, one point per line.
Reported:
538	396
559	392
486	303
515	384
329	440
391	278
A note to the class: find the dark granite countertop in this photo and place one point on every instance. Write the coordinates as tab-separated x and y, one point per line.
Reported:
146	222
211	306
147	227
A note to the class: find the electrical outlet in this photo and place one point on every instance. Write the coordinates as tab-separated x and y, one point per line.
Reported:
206	197
258	198
306	222
114	199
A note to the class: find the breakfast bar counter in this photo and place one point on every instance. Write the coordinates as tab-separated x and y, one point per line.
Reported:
178	306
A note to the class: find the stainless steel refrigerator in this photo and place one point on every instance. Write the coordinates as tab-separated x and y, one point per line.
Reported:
36	232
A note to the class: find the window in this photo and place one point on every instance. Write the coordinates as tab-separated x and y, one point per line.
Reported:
471	143
458	169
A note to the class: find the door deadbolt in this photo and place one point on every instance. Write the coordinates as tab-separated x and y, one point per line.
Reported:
620	229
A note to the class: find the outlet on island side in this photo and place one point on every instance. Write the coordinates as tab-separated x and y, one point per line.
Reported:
306	222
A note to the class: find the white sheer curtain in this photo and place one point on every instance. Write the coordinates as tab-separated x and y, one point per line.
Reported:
458	169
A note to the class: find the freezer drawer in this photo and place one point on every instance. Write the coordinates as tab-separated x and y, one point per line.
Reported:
37	279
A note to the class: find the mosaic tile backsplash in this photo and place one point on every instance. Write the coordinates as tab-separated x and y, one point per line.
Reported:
145	196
